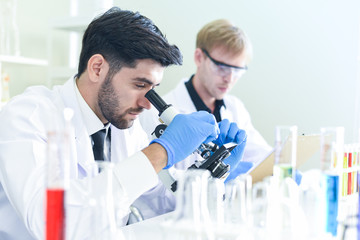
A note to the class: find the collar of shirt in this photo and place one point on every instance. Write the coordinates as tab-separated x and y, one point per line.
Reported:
198	102
91	121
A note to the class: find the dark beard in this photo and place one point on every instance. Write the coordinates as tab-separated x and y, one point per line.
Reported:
108	103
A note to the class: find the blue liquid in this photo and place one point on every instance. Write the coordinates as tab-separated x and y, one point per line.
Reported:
358	226
331	187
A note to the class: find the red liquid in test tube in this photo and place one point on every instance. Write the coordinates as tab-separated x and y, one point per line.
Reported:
58	157
55	214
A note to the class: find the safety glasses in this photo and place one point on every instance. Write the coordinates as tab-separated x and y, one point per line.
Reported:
223	69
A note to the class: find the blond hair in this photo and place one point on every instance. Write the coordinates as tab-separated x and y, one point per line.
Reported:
221	33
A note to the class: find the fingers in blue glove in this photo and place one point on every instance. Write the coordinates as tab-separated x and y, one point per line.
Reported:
242	168
298	177
200	118
229	132
224	126
241	137
210	119
236	155
185	133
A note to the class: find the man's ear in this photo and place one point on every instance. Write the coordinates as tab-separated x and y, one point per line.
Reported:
97	68
198	56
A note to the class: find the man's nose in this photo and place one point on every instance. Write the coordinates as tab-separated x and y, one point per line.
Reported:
144	103
229	77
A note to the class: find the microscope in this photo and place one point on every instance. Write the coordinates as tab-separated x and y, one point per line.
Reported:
211	155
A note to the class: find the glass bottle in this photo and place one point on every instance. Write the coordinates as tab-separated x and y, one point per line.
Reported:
9	30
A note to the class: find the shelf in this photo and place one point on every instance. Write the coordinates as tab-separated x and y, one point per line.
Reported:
77	24
23	60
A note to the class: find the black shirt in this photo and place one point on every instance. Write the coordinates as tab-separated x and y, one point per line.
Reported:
199	104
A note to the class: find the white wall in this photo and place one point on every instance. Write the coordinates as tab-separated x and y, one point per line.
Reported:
305	66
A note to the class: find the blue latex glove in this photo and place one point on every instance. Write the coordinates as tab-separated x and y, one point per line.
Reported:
298	177
229	132
241	168
185	133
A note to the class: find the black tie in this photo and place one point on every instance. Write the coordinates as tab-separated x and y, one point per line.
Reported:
99	142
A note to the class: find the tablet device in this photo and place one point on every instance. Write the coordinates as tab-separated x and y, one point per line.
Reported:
307	146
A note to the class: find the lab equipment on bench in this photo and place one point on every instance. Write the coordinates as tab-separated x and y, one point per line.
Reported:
285	157
58	154
331	153
212	155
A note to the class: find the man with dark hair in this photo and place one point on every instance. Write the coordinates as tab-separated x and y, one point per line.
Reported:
123	56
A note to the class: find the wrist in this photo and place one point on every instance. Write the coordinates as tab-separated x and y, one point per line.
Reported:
168	149
157	156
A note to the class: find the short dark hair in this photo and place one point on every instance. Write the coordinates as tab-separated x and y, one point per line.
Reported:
122	37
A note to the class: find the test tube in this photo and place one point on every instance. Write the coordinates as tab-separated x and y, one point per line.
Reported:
331	154
285	152
58	154
358	215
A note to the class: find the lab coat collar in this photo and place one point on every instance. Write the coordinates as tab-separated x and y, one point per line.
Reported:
91	121
83	149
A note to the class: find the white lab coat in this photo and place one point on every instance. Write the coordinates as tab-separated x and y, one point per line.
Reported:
256	147
24	123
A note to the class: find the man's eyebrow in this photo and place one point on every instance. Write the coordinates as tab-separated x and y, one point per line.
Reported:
145	80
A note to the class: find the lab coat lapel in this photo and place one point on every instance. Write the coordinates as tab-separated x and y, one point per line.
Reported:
126	142
83	161
225	113
119	144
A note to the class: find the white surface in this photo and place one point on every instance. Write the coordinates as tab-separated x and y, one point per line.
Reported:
148	229
162	228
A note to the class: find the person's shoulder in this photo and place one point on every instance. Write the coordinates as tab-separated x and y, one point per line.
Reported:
232	100
38	94
35	98
234	105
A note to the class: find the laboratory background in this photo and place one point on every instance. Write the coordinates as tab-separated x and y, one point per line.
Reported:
305	69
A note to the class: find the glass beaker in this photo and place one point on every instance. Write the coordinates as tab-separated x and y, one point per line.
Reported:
191	203
285	152
238	200
97	217
191	213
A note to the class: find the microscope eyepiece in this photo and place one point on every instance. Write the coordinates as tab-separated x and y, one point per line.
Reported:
157	101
